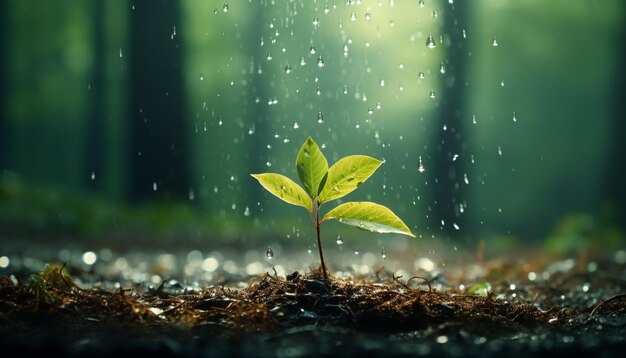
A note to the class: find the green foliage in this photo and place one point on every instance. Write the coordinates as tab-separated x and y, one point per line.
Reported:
323	185
479	289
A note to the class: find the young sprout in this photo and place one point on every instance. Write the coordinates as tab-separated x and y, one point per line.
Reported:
322	184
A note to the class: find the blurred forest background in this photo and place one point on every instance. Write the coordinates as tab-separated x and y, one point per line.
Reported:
495	118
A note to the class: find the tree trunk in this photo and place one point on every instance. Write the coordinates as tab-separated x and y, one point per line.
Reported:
448	173
616	190
4	74
159	163
96	128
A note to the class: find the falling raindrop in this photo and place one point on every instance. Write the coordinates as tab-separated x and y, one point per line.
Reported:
465	179
442	68
345	50
356	252
246	212
302	61
320	62
514	117
368	17
93	175
382	82
494	43
320	118
473	118
502	83
432	94
318	91
464	34
269	253
378	105
154	186
225	8
383	254
370	110
121	55
455	157
499	150
269	56
287	69
421	3
430	41
339	240
456	226
353	16
295	125
312	50
421	75
316	22
420	165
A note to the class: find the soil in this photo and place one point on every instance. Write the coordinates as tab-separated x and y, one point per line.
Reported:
302	314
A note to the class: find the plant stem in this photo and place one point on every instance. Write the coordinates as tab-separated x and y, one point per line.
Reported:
319	241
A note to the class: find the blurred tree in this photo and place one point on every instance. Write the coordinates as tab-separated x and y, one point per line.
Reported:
259	115
616	190
447	172
4	17
158	144
96	128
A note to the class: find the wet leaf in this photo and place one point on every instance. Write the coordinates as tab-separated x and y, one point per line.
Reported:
312	167
369	216
346	175
285	189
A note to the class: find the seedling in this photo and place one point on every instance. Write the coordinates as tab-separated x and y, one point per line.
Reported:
322	185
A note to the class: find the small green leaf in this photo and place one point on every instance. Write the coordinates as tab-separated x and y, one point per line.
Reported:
312	167
479	289
369	216
285	189
346	175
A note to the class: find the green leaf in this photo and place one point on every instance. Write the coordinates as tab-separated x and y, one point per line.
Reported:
285	189
479	289
369	216
312	167
346	175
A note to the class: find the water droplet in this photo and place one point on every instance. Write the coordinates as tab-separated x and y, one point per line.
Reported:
378	106
192	194
434	14
295	125
316	22
339	239
421	75
318	91
455	157
320	118
432	94
302	61
370	110
383	254
269	56
353	16
93	175
382	82
499	150
312	50
246	212
320	62
502	83
368	17
225	8
356	252
121	55
269	253
473	118
442	68
465	179
430	41
514	117
287	69
326	9
464	34
420	165
154	186
421	3
494	43
345	50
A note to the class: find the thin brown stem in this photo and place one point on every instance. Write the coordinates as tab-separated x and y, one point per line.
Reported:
316	205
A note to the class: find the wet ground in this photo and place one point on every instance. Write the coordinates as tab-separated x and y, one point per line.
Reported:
578	301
